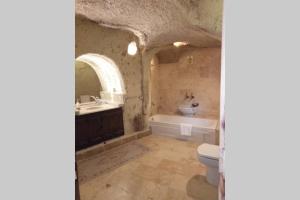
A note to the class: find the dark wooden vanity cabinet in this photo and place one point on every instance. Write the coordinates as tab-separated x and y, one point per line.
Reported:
94	128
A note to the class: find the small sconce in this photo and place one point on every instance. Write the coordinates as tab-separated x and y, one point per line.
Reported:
132	48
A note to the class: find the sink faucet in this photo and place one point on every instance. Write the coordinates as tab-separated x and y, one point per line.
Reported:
97	99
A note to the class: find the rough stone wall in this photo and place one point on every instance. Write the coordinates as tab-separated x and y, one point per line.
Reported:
86	80
201	77
147	57
209	16
92	38
154	85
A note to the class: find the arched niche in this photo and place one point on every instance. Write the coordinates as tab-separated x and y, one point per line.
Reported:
108	73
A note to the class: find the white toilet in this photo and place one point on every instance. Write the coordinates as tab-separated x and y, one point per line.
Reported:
208	155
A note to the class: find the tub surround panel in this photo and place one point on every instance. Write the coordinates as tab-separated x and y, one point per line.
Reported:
203	130
200	76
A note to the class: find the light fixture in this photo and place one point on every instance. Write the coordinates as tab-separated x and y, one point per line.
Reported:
178	44
132	48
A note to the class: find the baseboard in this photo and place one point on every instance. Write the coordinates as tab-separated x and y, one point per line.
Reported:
96	149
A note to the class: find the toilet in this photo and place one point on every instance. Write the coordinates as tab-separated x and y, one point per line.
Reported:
208	155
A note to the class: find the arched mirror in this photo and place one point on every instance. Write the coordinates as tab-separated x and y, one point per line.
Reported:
98	75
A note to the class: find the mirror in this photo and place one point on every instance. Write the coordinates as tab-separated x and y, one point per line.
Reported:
86	80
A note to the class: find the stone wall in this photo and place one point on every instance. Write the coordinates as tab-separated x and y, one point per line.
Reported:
93	38
200	76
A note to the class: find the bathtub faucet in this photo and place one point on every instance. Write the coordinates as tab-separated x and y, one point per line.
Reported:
189	97
192	96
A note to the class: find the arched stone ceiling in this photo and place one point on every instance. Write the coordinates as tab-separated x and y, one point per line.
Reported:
160	22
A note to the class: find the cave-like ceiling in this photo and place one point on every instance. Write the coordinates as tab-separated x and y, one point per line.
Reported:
159	22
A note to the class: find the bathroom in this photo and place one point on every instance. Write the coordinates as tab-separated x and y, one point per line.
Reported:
147	103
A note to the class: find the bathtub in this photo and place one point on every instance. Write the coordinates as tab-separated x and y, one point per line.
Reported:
203	130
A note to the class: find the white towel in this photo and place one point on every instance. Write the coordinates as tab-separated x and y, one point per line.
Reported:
186	129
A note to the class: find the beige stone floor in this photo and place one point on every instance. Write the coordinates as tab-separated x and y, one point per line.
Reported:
150	168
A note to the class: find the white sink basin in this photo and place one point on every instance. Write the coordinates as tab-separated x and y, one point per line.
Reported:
187	110
93	107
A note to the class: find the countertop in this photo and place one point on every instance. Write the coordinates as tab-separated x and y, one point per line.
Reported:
93	108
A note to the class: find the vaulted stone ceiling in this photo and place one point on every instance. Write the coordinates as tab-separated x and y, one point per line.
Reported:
159	22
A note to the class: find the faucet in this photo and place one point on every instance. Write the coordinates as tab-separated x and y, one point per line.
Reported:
187	96
97	99
192	96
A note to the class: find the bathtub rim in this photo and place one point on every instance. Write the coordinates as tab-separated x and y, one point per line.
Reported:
212	128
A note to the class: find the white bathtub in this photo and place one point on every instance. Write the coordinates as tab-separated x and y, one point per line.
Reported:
203	130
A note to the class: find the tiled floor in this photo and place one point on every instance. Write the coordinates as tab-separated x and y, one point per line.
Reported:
150	168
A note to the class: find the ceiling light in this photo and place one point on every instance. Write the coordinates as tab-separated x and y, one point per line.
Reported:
178	44
132	48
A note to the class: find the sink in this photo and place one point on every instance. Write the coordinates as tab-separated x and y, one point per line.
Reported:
93	107
188	110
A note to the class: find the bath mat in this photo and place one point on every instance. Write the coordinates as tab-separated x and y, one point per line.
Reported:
109	160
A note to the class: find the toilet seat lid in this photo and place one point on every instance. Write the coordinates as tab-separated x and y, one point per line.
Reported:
209	151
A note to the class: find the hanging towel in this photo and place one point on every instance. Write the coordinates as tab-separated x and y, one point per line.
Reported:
186	129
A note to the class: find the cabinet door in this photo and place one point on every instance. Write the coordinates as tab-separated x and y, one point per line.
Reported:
96	129
81	133
113	124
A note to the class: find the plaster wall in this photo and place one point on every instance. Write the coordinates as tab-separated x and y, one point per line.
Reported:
170	82
93	38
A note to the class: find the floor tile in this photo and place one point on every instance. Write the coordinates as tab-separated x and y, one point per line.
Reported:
150	168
